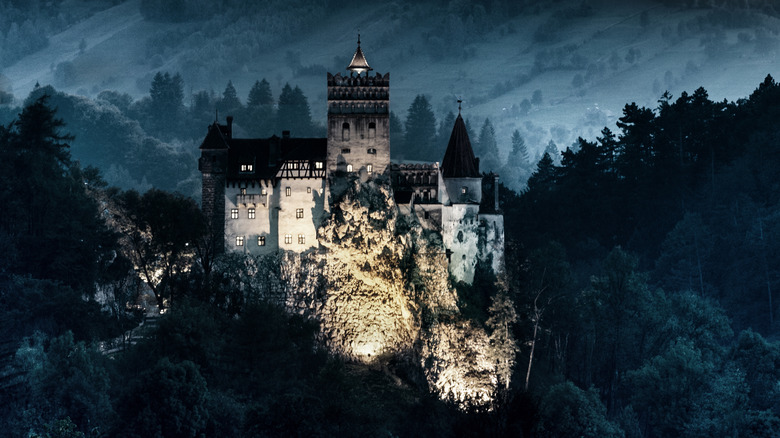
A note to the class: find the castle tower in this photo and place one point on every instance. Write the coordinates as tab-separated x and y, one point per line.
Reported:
358	119
460	169
213	167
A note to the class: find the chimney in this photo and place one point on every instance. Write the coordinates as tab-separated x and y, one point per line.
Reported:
495	186
285	134
230	126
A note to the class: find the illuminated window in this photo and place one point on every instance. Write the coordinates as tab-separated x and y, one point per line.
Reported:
345	132
371	151
243	190
240	241
288	238
308	189
251	213
349	168
321	190
369	168
464	190
233	213
264	192
293	165
288	191
318	164
299	213
345	151
260	240
301	239
246	167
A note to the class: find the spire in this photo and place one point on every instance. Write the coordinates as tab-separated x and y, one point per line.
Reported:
459	161
359	63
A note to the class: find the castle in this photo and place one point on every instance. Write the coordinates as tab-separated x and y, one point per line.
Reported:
265	195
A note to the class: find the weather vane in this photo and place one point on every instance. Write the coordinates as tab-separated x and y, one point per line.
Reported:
459	102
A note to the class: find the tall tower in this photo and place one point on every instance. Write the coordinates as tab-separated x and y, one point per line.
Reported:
358	119
213	166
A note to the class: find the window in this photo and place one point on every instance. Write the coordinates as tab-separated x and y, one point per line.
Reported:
299	213
321	191
349	168
288	238
233	213
318	164
345	151
371	151
263	192
301	239
464	190
260	240
240	241
243	190
251	213
371	130
293	165
288	191
308	189
246	167
345	132
369	168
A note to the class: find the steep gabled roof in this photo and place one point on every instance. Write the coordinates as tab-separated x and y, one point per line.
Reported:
359	63
459	161
215	138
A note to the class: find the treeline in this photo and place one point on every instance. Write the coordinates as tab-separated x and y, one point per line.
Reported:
644	266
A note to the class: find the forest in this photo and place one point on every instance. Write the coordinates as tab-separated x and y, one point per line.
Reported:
642	266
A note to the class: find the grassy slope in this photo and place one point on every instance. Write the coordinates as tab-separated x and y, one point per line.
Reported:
115	58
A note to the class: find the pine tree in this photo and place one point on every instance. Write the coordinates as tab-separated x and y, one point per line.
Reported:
420	130
229	102
488	148
293	114
519	155
260	94
552	150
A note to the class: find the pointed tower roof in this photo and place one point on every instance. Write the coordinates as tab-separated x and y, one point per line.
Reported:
215	138
359	63
459	161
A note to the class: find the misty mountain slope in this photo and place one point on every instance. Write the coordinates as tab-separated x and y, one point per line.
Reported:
582	60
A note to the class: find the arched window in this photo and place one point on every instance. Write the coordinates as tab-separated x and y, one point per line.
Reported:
345	132
349	168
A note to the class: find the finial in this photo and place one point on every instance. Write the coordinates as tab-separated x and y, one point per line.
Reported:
459	102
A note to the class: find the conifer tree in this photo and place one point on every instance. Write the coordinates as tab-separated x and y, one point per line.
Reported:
420	130
293	114
230	101
488	148
519	156
260	94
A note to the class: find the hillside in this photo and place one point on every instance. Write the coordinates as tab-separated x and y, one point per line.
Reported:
585	59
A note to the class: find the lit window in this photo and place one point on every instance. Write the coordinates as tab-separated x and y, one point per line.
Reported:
371	151
240	241
294	165
288	238
318	164
260	240
264	192
301	239
345	151
251	213
321	191
349	168
369	168
243	190
288	191
246	167
299	213
233	213
308	189
464	190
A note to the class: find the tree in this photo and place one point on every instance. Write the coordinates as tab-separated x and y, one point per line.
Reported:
167	103
488	148
230	102
567	411
519	155
420	131
160	231
260	94
294	114
502	316
552	150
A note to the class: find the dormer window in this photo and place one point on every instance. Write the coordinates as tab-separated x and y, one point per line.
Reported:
247	167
